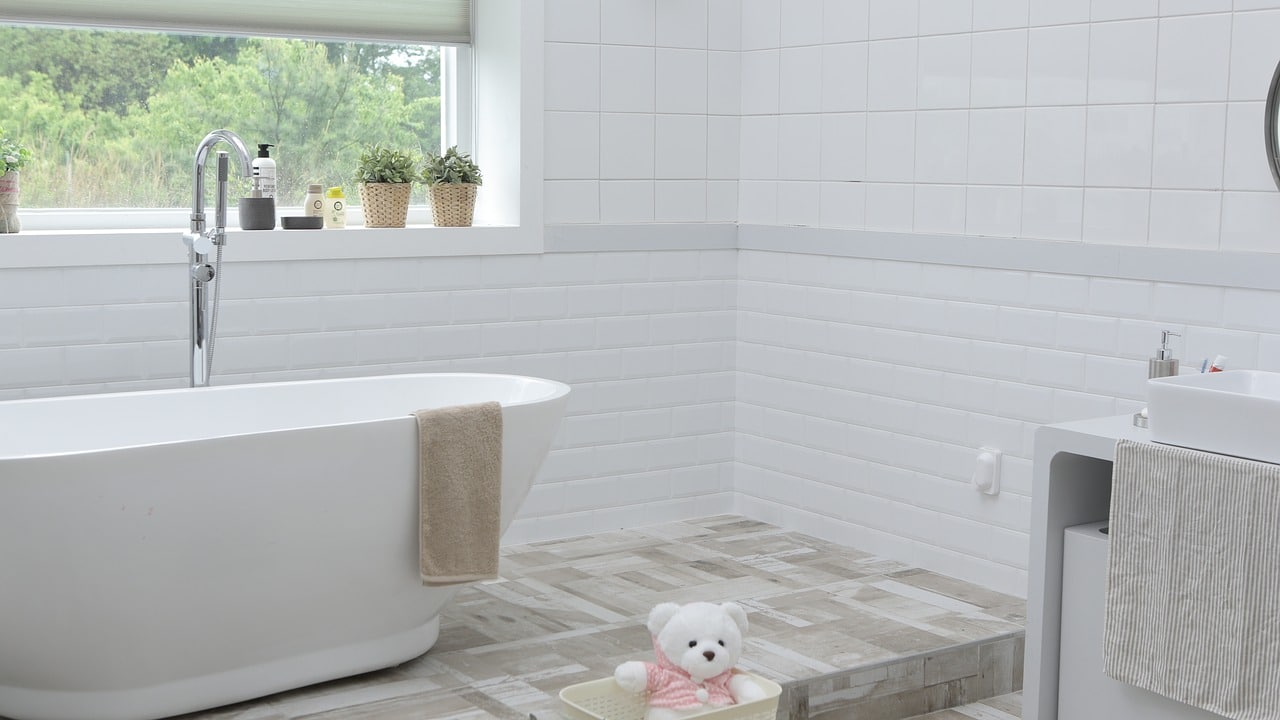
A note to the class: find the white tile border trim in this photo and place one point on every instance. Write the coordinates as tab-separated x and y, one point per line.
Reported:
1197	267
645	237
1174	265
162	247
152	247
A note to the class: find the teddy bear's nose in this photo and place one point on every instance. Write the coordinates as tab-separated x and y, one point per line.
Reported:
709	655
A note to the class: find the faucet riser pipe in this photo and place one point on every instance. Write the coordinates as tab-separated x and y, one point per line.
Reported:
201	239
199	322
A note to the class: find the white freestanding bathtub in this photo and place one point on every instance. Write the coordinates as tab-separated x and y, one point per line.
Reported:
167	551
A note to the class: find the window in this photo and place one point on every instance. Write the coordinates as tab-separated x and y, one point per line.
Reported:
112	118
499	83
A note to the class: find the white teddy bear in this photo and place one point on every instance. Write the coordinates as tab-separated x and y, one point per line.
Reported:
697	646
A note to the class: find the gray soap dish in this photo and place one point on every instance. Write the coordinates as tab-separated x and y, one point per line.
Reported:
302	222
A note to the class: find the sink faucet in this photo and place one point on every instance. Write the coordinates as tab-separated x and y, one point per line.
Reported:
200	241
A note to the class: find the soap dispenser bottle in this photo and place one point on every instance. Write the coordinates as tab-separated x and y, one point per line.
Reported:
264	171
1164	364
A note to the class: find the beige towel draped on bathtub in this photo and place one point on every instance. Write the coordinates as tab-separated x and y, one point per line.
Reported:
459	492
1193	579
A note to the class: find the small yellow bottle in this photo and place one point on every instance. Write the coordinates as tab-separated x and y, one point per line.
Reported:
335	208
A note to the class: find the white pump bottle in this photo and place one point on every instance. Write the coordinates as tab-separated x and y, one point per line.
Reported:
264	171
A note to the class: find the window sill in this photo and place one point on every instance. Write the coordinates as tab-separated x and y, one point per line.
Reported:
50	248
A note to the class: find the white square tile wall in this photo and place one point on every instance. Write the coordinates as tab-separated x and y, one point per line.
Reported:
658	76
1084	107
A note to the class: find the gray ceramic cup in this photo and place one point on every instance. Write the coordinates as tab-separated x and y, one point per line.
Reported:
257	213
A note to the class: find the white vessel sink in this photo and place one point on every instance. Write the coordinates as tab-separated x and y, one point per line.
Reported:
1236	412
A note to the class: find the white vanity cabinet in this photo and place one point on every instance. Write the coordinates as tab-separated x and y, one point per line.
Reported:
1084	691
1071	496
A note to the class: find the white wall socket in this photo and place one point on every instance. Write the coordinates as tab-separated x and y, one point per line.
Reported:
986	476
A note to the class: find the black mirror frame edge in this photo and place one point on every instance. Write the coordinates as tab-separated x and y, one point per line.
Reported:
1269	128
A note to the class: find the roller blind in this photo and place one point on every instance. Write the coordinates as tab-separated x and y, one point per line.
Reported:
428	22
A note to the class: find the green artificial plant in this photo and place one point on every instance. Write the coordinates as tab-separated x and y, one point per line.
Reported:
380	164
15	155
453	168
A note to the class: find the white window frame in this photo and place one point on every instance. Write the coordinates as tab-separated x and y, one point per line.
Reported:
457	98
507	94
426	22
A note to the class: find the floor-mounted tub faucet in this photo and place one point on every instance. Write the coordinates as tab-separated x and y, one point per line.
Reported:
199	242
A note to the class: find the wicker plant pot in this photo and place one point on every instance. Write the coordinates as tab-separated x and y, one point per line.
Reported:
452	204
9	202
385	205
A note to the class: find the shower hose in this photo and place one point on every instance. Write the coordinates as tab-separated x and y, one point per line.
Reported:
213	320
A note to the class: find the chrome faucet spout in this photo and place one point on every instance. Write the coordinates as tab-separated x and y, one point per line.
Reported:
202	155
200	242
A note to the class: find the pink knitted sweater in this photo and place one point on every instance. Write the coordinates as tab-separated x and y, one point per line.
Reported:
670	686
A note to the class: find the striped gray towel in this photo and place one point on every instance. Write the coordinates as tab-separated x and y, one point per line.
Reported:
1193	579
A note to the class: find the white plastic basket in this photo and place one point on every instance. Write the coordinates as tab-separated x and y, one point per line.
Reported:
604	700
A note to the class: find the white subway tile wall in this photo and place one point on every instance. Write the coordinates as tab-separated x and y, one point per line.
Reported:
646	340
865	387
842	396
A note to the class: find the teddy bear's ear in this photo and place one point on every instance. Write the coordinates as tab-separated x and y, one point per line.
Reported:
737	614
660	615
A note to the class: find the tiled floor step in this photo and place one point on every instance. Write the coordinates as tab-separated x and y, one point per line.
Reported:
1005	707
915	685
846	633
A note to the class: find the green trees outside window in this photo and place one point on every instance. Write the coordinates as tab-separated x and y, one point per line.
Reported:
112	118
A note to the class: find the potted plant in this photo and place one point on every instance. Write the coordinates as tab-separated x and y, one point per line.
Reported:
15	156
386	181
451	181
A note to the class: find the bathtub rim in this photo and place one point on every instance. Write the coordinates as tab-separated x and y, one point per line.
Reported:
558	391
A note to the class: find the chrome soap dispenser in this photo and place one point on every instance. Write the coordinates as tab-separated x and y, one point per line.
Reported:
1164	364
